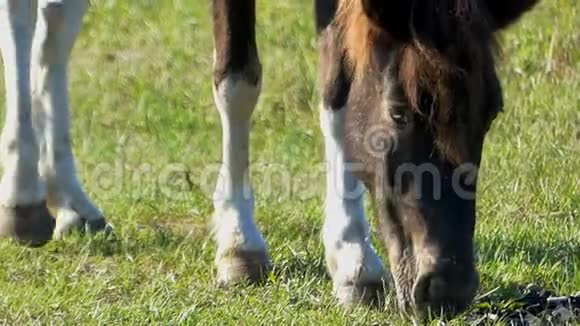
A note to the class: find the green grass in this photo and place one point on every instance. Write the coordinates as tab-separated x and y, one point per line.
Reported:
147	138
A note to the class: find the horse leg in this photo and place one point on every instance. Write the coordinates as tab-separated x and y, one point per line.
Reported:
241	250
57	27
23	211
358	274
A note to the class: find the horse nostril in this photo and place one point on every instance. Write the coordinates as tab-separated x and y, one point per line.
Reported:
427	289
438	295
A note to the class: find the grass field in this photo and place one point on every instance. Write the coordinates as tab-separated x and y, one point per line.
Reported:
147	138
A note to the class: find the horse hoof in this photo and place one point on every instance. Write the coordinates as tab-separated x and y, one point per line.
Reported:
29	225
352	295
68	223
240	267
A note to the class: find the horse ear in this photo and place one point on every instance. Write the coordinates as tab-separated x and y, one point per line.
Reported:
404	20
505	12
393	16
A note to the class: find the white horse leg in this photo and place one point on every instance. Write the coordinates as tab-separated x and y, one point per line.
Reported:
358	274
241	250
58	24
23	211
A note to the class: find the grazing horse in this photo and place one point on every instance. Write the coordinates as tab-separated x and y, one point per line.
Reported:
409	90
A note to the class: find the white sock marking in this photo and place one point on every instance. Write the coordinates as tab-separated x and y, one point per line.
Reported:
58	25
20	184
346	232
235	228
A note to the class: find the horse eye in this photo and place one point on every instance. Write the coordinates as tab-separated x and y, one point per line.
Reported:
399	117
